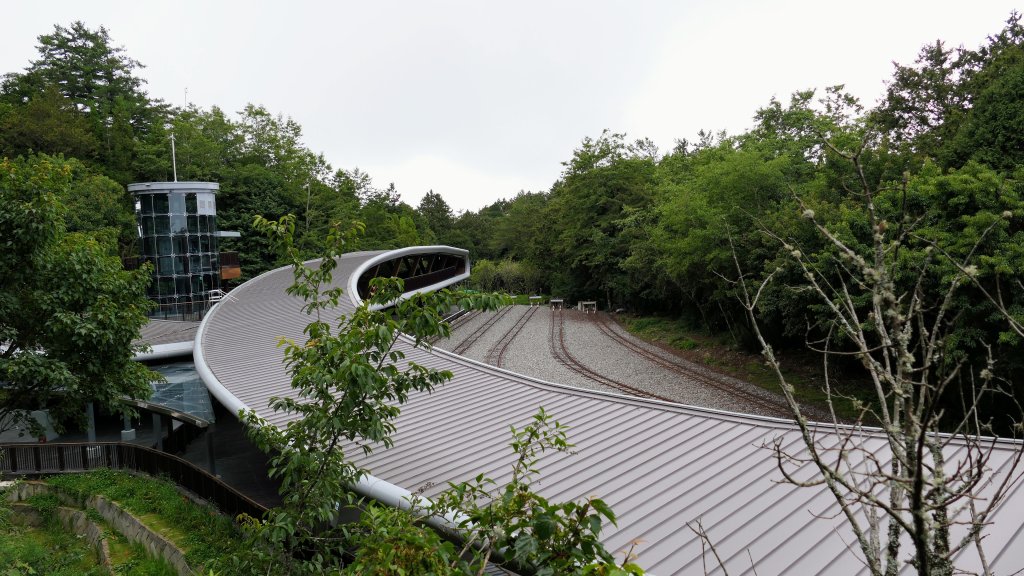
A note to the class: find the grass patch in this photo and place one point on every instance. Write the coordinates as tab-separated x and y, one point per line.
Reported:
133	558
46	550
51	549
207	537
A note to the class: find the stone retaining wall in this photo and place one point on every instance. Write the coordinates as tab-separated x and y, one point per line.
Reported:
76	520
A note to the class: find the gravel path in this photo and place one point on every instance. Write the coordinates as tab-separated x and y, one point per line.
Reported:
531	353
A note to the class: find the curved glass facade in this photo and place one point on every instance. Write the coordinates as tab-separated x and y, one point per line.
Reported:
178	235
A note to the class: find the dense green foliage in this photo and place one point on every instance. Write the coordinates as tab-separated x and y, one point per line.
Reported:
68	311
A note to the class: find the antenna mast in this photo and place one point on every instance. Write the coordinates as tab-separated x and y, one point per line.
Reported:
174	158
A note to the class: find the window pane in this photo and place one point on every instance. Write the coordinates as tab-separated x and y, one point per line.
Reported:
193	244
163	246
163	224
148	227
177	203
206	263
178	224
190	203
147	203
195	264
149	246
180	244
164	268
210	281
204	243
193	224
159	203
179	266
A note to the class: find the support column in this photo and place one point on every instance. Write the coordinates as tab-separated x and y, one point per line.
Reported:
90	416
127	433
158	430
211	456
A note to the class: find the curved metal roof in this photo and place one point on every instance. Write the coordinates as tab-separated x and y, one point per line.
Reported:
658	465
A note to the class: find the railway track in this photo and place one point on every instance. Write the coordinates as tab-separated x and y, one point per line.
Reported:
455	320
475	335
562	354
774	408
496	355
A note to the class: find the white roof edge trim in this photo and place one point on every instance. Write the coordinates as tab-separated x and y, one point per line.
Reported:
615	395
164	351
213	384
225	397
389	494
353	280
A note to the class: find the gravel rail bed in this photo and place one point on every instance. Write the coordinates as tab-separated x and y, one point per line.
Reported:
531	353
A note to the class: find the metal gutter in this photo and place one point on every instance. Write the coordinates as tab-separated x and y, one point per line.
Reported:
164	351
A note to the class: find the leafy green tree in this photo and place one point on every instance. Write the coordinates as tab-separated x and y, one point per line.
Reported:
957	105
329	204
524	231
99	206
604	181
68	311
991	129
49	123
206	141
474	231
484	275
100	79
925	102
438	216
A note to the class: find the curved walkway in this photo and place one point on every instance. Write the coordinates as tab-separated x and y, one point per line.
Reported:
659	465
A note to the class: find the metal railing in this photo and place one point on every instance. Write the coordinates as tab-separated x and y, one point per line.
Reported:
61	457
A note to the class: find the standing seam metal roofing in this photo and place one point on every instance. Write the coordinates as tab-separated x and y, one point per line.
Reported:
658	465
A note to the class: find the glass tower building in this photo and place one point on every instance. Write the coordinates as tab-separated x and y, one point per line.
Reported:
178	235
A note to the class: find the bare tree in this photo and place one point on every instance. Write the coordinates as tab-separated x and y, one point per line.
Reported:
919	479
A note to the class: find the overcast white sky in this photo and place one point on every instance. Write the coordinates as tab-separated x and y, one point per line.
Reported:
478	100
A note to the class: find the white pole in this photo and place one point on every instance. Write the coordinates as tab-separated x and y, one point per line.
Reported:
174	159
